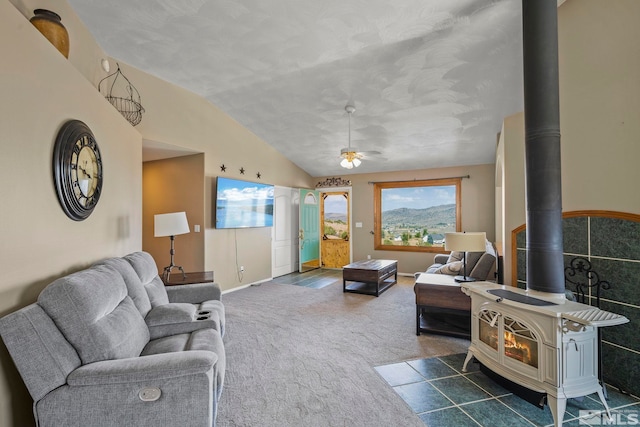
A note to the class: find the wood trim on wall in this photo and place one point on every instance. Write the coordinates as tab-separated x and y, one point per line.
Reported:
572	214
514	254
377	210
606	214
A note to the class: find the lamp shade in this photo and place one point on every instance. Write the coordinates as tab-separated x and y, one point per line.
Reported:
465	242
170	224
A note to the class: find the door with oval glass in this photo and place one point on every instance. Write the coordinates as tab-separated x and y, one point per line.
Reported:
309	233
335	247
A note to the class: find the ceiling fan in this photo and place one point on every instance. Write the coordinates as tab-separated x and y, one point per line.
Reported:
351	156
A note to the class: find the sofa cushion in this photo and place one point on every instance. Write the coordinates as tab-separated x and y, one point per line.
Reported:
135	288
95	313
432	268
171	313
472	259
145	266
483	267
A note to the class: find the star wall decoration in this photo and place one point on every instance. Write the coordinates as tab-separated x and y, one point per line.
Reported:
241	171
258	175
223	168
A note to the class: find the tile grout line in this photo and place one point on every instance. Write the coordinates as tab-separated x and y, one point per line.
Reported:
455	405
493	397
567	416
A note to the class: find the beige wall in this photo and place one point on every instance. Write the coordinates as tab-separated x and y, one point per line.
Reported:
40	90
477	209
510	194
599	103
174	185
180	118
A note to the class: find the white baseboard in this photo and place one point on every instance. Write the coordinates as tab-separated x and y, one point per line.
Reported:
237	288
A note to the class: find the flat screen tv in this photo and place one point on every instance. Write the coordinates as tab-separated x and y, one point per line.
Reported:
243	204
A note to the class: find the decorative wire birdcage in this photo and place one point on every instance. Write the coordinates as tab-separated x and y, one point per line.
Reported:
129	106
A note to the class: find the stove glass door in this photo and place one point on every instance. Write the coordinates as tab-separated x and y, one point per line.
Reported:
488	328
520	343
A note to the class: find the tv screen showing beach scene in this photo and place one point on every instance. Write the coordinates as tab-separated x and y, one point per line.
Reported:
243	204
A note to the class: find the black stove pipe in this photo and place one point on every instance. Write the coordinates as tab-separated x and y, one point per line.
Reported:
545	266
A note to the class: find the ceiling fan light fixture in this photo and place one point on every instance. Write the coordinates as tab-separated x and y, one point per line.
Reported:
345	163
349	156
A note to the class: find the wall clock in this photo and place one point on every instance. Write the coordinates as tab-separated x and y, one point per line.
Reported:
77	170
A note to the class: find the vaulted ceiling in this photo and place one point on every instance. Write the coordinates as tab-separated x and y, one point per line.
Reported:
431	80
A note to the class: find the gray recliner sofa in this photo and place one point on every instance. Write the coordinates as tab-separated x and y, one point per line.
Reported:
109	346
479	265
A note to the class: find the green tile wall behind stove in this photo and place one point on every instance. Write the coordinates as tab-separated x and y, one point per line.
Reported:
613	246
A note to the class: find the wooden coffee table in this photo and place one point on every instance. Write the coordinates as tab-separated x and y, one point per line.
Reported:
371	276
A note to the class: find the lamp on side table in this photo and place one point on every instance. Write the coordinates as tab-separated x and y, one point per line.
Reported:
465	242
171	224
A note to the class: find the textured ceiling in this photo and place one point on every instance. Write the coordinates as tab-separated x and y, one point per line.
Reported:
431	80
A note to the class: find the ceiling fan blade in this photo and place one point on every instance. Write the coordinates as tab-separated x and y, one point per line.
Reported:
349	153
374	156
355	150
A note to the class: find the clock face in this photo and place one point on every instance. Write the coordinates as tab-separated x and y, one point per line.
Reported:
77	169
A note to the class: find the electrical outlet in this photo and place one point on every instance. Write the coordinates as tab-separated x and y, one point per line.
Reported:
241	268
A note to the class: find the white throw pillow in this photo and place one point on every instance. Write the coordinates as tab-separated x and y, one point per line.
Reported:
451	268
455	256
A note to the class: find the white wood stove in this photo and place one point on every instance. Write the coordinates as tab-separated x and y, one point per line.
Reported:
543	344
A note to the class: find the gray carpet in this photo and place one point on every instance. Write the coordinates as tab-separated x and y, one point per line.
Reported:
298	356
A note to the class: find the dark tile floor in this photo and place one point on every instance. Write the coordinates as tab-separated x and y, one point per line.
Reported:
442	395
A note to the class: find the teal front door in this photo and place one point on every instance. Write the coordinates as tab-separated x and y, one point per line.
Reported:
309	233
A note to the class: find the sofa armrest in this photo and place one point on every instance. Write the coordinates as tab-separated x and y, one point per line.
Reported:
143	368
441	258
194	293
180	318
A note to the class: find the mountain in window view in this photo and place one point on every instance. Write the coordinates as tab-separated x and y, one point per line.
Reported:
435	217
333	216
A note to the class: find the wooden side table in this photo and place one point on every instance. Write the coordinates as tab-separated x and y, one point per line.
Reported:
190	278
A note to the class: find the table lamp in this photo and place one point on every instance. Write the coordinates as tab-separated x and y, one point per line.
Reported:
171	224
465	242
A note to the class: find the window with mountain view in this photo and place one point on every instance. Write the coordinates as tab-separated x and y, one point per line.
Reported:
414	215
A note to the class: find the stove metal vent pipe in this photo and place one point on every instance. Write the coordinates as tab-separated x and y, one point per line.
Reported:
545	266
